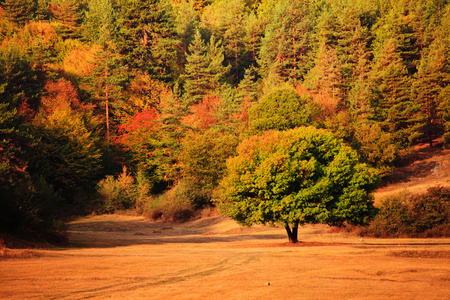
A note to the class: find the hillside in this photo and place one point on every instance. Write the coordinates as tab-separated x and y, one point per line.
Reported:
424	167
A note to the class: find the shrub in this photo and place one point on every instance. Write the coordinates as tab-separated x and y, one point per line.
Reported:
430	213
118	193
393	218
404	215
177	204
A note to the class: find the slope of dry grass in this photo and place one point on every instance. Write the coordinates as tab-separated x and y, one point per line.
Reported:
423	168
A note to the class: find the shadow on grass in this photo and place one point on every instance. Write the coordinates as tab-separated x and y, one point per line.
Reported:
105	234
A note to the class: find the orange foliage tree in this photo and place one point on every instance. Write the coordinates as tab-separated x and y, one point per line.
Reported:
139	136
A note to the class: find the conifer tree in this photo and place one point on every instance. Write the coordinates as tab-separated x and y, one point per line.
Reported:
428	83
196	77
106	83
252	41
19	11
225	20
146	37
99	20
67	13
216	69
205	71
186	22
248	87
393	106
324	80
286	45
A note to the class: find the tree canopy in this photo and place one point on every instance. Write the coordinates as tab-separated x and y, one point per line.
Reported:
295	177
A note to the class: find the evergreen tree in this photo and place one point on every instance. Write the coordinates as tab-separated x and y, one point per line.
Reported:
341	29
406	22
204	69
146	37
225	20
286	45
217	72
324	80
393	107
428	83
248	87
252	40
19	11
106	83
99	20
67	13
196	77
186	22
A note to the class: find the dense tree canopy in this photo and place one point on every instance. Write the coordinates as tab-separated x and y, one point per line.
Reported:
168	89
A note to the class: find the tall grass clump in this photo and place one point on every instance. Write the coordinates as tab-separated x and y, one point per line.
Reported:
405	215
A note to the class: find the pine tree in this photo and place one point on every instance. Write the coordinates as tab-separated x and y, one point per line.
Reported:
106	83
67	13
391	101
146	37
252	41
324	80
205	71
19	11
406	22
186	22
99	20
217	72
225	20
287	43
196	77
428	83
248	87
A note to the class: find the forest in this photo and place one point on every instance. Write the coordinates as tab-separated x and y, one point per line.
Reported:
110	105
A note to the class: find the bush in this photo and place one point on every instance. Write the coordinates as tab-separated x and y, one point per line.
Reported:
405	215
118	193
30	208
178	204
430	213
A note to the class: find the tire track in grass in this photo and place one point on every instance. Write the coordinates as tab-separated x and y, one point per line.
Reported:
135	283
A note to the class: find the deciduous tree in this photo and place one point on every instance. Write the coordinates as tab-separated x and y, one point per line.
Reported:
295	177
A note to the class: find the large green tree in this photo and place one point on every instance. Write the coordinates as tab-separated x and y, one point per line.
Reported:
299	176
205	72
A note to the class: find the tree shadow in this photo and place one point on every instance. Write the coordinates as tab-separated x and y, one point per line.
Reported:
108	234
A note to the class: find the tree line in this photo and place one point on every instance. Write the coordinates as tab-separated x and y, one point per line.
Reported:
109	104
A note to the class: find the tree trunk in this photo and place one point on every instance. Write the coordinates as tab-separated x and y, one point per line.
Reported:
292	234
107	106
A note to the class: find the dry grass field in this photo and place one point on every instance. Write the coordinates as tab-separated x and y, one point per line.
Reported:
127	257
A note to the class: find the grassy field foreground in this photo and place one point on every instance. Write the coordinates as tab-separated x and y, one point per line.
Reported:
127	257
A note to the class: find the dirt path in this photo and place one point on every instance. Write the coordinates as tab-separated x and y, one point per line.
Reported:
124	257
